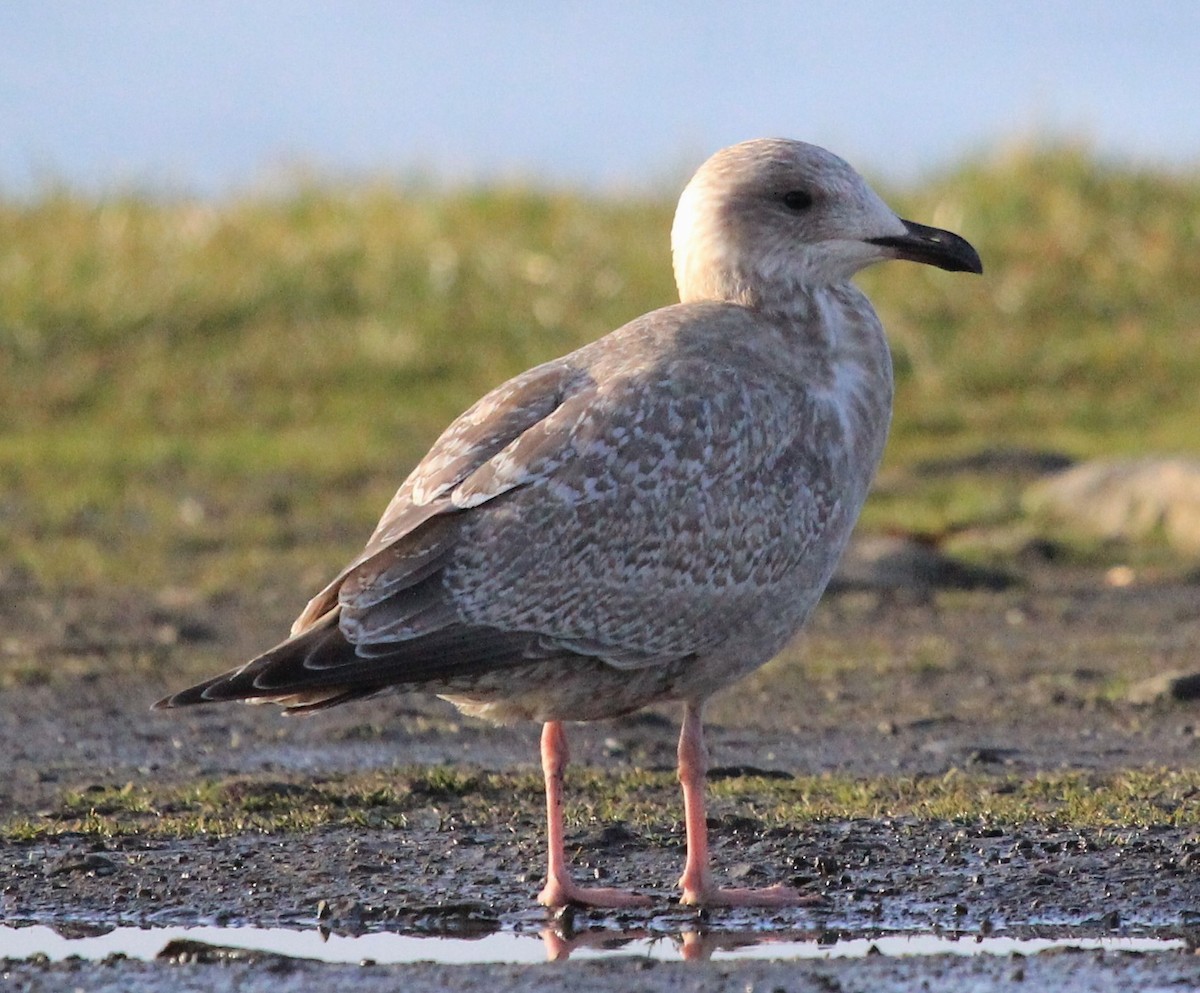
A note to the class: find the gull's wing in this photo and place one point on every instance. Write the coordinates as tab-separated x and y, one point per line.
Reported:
476	436
624	503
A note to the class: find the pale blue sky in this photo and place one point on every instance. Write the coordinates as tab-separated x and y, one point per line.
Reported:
208	95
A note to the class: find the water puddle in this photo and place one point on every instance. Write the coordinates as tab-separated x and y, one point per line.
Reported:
210	943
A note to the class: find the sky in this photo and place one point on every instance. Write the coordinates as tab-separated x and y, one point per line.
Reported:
205	97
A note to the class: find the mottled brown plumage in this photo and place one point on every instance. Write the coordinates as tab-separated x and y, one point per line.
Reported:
649	517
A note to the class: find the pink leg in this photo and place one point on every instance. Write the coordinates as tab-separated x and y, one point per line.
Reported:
560	888
697	882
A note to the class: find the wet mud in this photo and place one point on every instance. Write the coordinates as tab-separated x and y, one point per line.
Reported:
1066	671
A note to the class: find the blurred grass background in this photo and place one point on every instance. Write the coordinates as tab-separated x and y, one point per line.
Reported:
223	395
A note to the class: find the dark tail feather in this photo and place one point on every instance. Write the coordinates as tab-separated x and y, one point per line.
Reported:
284	672
319	668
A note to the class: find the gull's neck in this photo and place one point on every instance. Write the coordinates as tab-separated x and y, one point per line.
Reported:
785	299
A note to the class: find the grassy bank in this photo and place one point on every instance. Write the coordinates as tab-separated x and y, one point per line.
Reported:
224	395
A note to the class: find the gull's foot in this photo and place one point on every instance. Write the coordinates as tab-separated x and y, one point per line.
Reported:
559	947
566	892
772	896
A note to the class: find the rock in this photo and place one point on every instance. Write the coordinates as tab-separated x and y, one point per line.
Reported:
1174	685
187	951
92	863
1125	500
1186	687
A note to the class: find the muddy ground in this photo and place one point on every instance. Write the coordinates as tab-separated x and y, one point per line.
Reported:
1064	671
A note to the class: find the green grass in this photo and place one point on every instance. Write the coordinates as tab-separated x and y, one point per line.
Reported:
219	395
648	801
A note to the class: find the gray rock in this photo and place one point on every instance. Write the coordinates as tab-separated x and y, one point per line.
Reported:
1166	686
1125	499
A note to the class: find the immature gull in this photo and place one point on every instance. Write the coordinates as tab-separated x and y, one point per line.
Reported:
648	518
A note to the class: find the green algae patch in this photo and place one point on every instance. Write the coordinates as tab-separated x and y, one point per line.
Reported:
447	799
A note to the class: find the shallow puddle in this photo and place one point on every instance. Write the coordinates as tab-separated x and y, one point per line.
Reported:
508	947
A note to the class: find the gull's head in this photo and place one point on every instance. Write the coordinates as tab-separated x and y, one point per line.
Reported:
764	221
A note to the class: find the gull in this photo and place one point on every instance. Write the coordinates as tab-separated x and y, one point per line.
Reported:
646	519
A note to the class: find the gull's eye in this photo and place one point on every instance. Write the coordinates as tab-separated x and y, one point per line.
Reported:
797	200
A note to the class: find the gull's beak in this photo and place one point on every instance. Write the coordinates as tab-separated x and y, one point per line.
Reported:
932	246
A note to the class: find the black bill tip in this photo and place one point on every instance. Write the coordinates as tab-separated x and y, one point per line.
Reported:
932	246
